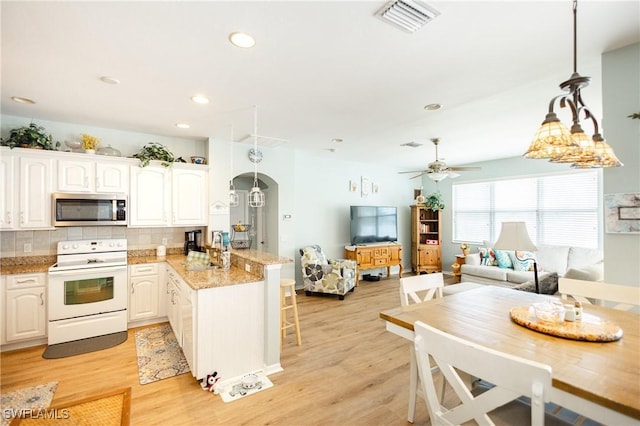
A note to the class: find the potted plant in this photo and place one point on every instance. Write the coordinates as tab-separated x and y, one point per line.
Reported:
31	136
434	201
155	151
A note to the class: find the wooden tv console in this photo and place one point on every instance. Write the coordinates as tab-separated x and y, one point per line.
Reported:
375	256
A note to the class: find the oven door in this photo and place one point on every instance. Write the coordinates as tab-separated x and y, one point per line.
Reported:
82	292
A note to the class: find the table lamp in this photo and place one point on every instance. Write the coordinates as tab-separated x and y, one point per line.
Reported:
514	236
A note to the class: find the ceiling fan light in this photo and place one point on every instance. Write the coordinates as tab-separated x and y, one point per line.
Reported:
437	176
552	139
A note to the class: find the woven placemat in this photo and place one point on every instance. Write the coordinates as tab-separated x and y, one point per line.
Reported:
106	409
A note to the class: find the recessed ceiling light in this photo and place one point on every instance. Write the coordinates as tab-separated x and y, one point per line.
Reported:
22	100
432	107
182	125
109	80
200	99
337	140
240	39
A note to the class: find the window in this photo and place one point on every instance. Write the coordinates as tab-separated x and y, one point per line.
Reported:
558	209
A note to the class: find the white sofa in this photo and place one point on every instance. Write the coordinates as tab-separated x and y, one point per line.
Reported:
569	262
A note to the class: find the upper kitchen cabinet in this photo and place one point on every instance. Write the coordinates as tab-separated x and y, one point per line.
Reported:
90	175
149	196
28	182
189	196
161	196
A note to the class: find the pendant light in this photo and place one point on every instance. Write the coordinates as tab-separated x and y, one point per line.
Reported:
561	145
233	195
256	196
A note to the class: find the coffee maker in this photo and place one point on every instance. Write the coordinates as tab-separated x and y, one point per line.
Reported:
192	241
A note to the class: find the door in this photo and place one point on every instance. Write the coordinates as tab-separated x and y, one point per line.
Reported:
36	186
26	313
112	178
149	202
75	176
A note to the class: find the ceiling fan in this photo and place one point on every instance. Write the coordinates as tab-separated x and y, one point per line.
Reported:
438	169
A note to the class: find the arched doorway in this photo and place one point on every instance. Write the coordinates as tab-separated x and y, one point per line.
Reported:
263	220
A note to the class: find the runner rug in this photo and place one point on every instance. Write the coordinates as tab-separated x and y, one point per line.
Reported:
159	355
27	400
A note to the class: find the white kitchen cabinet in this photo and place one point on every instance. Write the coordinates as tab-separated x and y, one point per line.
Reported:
173	304
25	299
8	197
27	184
161	196
189	189
91	175
144	289
149	200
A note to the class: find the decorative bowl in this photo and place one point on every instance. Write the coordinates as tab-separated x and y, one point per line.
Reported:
249	381
549	312
198	160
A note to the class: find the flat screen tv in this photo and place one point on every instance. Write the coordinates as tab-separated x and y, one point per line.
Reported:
373	224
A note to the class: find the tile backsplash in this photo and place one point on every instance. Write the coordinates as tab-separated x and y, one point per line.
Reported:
42	243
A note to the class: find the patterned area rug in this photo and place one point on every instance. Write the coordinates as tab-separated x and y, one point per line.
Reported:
159	355
34	398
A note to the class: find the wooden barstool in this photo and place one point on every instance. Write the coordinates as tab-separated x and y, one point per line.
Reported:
288	284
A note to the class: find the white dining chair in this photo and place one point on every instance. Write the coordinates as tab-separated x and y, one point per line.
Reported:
625	297
419	289
511	377
412	287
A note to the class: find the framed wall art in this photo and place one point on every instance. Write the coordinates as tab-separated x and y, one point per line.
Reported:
622	213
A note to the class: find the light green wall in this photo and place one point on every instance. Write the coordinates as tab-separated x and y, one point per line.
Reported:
621	97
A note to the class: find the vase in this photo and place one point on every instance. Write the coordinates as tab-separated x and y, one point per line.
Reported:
89	151
465	252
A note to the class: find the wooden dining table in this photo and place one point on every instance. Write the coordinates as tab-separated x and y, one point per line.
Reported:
600	380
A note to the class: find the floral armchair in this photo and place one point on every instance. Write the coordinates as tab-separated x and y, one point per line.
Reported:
322	275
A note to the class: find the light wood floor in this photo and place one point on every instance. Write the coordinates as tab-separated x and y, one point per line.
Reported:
348	371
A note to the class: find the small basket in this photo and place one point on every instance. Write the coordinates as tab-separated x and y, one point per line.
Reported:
241	244
241	227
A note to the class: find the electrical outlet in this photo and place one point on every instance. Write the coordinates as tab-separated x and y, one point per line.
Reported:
164	241
27	247
247	267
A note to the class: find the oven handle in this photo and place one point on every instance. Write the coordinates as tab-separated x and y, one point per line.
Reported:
85	271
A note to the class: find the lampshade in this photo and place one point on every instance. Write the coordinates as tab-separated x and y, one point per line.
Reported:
256	196
586	151
551	140
514	236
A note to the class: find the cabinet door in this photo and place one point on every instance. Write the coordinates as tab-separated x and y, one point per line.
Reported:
112	178
186	318
36	186
365	258
26	310
76	176
8	192
143	297
189	197
149	196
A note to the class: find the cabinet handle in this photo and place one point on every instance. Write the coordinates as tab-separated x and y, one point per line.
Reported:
9	218
86	181
26	280
41	299
21	217
148	268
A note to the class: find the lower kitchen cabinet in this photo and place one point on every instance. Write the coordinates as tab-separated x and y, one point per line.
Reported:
144	292
26	306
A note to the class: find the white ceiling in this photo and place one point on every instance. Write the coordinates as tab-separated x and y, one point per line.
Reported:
320	70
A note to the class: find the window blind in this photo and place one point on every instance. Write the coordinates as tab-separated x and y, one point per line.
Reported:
558	209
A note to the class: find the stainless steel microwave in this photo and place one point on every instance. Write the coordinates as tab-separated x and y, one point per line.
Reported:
89	209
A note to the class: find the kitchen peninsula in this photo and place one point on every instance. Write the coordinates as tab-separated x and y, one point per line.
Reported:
225	320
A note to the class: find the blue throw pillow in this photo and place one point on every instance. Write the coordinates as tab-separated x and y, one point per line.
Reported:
504	261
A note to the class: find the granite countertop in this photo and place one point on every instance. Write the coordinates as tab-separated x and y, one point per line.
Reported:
211	278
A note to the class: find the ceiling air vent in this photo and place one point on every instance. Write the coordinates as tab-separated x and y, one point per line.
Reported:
412	144
408	15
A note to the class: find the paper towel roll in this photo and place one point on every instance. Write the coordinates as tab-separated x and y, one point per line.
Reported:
161	251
